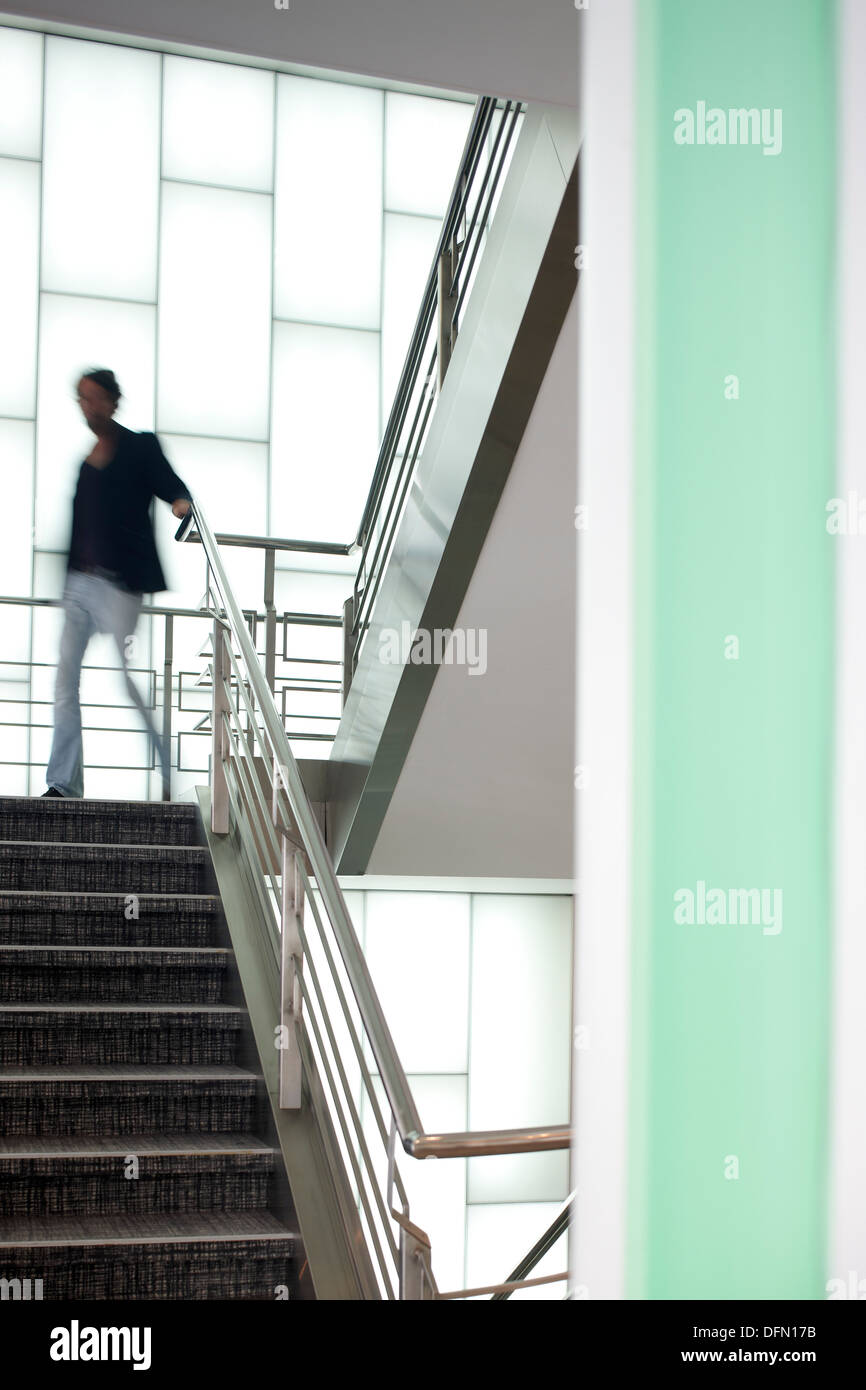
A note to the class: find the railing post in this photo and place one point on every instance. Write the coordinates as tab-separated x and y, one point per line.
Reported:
447	303
167	692
414	1252
292	905
348	646
270	621
219	816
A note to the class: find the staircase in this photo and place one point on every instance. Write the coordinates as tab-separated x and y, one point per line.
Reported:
136	1154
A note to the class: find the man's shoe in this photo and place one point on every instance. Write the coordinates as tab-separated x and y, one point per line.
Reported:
52	791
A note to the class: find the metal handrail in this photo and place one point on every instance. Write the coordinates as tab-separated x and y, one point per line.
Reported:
447	284
298	683
413	1137
287	832
479	125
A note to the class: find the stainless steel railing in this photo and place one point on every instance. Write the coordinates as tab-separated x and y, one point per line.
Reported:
330	1011
449	285
178	684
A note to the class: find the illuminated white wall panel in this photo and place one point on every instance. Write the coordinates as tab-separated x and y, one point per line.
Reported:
20	93
49	568
311	593
101	169
19	285
410	243
324	429
228	476
214	312
424	140
218	123
16	514
417	948
16	639
76	334
328	229
521	956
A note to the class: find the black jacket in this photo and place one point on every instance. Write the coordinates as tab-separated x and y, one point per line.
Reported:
138	472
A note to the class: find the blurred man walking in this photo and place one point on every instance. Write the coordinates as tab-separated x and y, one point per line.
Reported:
112	562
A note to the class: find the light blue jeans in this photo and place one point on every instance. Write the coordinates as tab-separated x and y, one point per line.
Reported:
91	604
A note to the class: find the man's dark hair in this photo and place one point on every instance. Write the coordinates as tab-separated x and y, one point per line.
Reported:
104	378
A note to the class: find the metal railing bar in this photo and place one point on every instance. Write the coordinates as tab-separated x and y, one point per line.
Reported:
546	1242
248	799
405	478
398	416
265	903
476	1143
375	568
311	971
501	1288
461	258
468	174
381	1042
309	1019
350	1023
425	392
427	302
467	276
276	543
158	611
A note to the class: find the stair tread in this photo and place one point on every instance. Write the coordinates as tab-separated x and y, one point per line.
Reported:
115	950
157	1228
90	1145
149	845
97	893
42	1007
185	810
183	1071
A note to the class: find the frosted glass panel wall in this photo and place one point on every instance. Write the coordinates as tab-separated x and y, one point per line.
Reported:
16	514
521	949
19	285
214	312
239	280
218	124
417	947
424	142
20	93
327	255
476	988
313	438
100	169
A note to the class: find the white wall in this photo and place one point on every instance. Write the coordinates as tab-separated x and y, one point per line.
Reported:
495	47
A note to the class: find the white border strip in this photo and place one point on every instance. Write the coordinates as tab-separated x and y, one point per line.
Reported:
847	1226
605	644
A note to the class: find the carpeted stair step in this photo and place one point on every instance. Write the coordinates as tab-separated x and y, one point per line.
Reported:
100	822
107	1101
33	918
110	868
132	1162
229	1255
133	1174
146	1034
112	974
